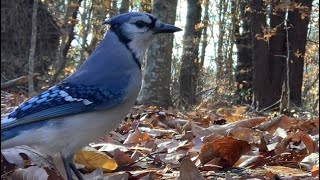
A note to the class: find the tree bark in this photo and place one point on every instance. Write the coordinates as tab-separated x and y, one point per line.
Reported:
146	6
244	69
72	12
277	48
33	48
157	72
261	76
124	6
204	31
220	75
189	71
298	20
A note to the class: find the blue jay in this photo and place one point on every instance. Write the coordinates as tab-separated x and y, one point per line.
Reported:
93	100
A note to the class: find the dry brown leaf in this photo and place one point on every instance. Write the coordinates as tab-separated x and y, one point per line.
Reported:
23	156
170	144
137	137
241	133
228	149
121	158
149	176
315	171
245	161
297	138
189	171
30	173
231	114
281	121
285	171
93	159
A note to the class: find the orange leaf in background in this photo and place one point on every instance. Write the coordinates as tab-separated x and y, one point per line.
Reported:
281	121
228	149
305	138
93	159
315	171
242	133
136	137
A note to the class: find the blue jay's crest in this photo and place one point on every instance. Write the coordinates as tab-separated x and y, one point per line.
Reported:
117	21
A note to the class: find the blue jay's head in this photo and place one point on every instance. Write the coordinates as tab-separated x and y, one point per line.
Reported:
137	30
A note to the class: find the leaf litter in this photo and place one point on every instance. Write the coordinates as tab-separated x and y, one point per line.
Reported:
155	143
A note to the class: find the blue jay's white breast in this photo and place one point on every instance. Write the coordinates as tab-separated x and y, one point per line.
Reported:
69	134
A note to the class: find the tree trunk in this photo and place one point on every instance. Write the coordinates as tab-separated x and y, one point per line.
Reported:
220	76
189	61
229	62
146	6
244	67
157	72
85	29
70	22
124	6
298	22
204	32
261	73
32	48
277	48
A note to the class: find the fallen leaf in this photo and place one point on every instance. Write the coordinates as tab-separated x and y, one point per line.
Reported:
93	159
285	171
30	173
23	156
137	137
281	121
228	149
189	171
121	158
315	171
310	161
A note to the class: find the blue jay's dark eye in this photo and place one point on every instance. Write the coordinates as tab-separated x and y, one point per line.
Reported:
140	24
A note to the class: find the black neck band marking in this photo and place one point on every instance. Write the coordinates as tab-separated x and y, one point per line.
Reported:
125	41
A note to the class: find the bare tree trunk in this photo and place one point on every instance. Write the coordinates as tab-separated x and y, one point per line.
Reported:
124	6
220	59
146	6
204	32
189	71
244	62
261	73
99	13
277	48
157	72
298	21
66	41
86	28
229	63
33	48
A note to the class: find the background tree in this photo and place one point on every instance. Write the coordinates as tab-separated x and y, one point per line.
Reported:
189	71
157	71
243	73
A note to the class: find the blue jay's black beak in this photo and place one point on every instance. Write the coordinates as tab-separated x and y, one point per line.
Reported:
166	28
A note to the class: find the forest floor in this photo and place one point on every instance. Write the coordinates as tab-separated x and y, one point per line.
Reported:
154	143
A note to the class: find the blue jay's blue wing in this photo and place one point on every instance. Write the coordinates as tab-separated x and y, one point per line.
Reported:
62	100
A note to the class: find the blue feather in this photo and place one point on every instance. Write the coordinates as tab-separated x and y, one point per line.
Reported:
62	100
